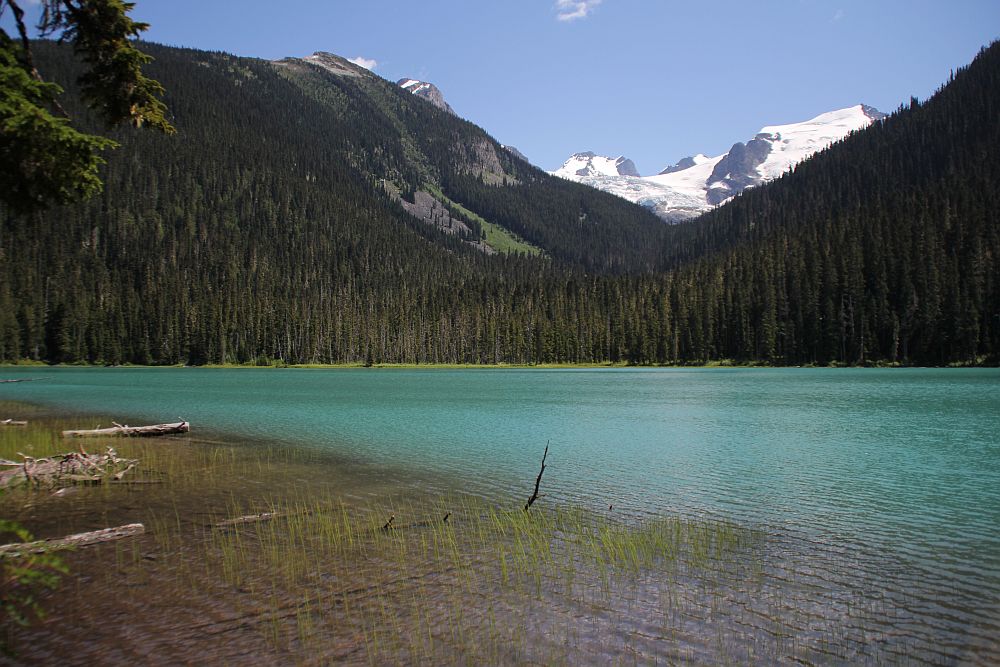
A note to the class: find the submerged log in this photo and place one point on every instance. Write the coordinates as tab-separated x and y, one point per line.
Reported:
12	422
250	518
131	431
263	516
72	541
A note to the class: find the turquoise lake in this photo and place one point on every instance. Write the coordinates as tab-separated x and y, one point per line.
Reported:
883	481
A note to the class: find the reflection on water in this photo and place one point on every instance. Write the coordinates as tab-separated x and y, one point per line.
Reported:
875	496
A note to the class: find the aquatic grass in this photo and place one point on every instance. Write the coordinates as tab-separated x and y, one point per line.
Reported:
493	584
420	573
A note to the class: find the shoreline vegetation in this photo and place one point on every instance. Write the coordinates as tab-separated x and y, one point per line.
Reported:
273	550
891	261
718	363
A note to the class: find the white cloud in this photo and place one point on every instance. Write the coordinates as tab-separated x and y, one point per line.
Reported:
839	14
361	61
570	10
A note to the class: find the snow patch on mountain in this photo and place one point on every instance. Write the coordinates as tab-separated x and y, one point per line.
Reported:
698	183
427	91
589	165
793	143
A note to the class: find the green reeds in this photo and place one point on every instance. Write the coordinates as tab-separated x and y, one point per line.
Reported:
323	579
424	588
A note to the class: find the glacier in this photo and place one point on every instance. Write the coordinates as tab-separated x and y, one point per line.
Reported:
698	183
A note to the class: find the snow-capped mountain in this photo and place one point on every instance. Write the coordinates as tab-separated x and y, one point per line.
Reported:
696	184
587	165
428	91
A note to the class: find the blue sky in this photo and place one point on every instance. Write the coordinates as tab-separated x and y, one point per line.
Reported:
655	80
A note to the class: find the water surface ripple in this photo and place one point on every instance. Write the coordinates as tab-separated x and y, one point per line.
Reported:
879	489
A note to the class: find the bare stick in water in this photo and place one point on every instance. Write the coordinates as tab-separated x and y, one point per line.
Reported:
538	480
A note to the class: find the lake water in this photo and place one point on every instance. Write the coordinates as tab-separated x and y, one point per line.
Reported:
874	484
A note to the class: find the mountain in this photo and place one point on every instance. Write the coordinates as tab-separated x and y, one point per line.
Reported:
582	166
410	147
685	163
516	153
884	248
432	94
309	211
427	91
696	184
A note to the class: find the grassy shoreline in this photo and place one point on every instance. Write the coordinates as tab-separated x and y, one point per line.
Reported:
363	568
332	575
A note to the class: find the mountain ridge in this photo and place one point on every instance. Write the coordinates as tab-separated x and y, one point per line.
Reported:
270	229
698	183
427	91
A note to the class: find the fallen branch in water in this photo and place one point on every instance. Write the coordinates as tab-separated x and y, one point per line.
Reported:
131	431
12	422
75	467
256	518
72	541
269	516
538	480
20	380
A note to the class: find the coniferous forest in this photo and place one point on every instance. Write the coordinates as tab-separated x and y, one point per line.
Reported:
269	228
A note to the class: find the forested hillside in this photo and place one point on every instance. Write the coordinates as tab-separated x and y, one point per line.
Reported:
268	229
410	144
885	247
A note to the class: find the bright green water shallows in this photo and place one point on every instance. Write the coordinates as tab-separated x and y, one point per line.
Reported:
883	484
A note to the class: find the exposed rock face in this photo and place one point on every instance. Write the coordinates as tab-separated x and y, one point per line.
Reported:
626	167
480	159
335	64
682	164
427	91
588	163
738	169
873	113
433	212
516	153
696	184
428	209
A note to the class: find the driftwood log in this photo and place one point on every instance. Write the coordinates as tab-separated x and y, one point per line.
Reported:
72	541
73	468
131	431
12	422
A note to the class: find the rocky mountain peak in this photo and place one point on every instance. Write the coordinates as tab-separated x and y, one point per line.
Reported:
684	163
588	163
427	91
335	64
696	184
516	153
873	113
